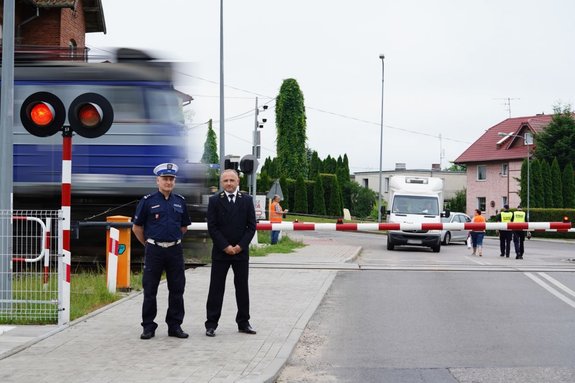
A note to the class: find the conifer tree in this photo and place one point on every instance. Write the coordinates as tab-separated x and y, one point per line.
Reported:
568	187
547	184
291	130
556	184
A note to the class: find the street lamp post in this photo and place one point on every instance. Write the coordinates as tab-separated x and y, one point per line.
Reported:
527	141
382	57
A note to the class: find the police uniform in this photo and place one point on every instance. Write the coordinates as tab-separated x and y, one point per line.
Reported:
505	216
162	219
519	235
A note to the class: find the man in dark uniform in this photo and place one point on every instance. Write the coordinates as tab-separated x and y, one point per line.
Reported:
232	225
160	221
505	216
519	235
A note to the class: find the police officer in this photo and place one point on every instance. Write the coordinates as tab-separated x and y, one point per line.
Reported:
519	235
160	221
505	216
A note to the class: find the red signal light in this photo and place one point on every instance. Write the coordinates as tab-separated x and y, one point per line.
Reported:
89	115
42	114
565	219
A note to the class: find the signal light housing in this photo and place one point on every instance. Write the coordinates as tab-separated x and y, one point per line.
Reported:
248	164
566	219
90	115
42	114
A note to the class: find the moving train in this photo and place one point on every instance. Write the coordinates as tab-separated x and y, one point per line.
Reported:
148	129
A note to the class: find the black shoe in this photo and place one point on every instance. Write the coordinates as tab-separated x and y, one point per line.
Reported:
178	333
147	334
247	330
519	257
501	255
211	332
507	256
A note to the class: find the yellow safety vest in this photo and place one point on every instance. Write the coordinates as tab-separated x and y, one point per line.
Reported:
519	216
506	216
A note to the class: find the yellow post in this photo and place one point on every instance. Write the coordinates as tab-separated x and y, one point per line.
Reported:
124	252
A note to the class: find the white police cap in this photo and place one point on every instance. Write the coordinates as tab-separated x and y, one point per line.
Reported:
167	169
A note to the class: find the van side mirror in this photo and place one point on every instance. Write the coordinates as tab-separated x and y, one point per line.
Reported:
446	213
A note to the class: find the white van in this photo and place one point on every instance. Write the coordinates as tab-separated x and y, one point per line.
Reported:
415	200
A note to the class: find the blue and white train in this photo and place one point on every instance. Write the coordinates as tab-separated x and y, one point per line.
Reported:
148	129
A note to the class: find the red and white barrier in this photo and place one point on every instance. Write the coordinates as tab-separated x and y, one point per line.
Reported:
64	316
296	226
113	259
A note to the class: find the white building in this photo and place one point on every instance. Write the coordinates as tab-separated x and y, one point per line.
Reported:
453	181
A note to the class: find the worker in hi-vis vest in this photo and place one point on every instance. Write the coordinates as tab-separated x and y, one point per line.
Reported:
276	216
505	216
519	235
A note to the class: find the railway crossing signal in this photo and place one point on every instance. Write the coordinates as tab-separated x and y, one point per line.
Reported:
43	114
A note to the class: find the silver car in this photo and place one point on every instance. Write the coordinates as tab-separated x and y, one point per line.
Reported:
448	236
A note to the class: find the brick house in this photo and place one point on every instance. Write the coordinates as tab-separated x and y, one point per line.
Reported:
55	29
494	163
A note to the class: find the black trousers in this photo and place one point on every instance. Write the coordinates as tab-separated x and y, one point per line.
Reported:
157	259
505	241
518	242
218	276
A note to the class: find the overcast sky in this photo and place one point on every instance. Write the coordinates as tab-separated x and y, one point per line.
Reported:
450	68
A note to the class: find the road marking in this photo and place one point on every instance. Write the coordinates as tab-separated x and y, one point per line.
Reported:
558	284
542	283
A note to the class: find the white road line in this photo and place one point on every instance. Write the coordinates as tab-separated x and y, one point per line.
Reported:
558	284
541	283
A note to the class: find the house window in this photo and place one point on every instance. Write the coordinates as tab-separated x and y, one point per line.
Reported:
366	183
504	169
481	203
481	172
504	201
386	185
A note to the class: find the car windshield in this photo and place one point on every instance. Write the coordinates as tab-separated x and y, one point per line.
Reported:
407	204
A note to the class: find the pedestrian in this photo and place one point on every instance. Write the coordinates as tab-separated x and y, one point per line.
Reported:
505	216
477	235
231	225
276	216
160	221
519	235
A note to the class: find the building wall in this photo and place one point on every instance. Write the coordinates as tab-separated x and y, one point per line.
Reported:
54	27
452	181
494	188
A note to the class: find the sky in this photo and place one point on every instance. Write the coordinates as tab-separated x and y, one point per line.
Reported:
452	69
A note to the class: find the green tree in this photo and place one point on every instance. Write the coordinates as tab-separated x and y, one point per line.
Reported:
210	155
314	166
547	184
300	196
318	197
459	201
568	187
556	185
291	130
363	199
536	194
558	138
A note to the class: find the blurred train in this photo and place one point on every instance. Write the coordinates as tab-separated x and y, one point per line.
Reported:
115	168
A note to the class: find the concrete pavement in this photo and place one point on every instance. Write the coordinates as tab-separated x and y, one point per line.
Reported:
285	290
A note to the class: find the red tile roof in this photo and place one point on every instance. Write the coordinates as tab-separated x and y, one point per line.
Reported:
486	149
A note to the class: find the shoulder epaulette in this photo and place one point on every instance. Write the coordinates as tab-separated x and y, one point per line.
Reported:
147	196
181	196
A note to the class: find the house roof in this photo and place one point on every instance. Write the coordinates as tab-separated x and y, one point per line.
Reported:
93	11
493	147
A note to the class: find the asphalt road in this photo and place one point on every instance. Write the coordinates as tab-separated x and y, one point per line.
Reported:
411	315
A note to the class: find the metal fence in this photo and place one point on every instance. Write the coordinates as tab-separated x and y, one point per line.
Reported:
30	254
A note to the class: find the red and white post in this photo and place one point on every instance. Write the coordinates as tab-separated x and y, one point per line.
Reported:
66	264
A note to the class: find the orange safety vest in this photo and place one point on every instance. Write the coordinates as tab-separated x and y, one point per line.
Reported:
275	216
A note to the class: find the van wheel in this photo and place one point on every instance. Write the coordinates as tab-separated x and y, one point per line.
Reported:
447	239
436	248
389	245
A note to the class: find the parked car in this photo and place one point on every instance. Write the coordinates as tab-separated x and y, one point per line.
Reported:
448	236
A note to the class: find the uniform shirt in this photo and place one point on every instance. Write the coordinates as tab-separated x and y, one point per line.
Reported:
162	218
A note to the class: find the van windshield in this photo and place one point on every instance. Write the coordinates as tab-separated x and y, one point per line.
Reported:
407	204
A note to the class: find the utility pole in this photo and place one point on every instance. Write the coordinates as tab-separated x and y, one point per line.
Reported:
6	157
256	146
222	115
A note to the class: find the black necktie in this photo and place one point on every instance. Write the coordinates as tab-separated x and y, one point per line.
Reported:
231	198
